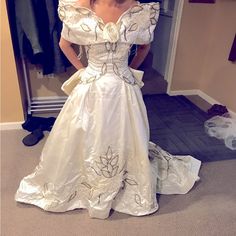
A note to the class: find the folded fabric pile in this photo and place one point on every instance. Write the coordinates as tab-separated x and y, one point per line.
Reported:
222	127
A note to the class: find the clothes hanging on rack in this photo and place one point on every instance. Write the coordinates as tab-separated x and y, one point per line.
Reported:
27	28
38	28
55	27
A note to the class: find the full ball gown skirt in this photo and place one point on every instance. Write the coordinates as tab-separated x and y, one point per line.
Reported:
98	155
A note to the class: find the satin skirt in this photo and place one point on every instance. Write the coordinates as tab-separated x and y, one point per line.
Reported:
98	156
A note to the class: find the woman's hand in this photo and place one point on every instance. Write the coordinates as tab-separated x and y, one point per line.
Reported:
141	54
70	53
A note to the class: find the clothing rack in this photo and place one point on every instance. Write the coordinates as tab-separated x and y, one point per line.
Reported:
39	105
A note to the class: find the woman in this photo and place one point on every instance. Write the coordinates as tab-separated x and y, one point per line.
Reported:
98	155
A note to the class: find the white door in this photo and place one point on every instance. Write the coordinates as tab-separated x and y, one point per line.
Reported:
165	38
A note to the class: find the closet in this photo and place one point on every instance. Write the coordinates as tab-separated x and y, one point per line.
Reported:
41	66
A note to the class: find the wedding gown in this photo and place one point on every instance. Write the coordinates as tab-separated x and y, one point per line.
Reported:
98	155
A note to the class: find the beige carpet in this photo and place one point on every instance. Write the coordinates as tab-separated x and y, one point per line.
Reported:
209	209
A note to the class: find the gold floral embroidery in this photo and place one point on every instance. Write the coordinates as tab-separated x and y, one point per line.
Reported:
138	200
72	196
133	27
108	164
85	27
104	69
136	9
83	11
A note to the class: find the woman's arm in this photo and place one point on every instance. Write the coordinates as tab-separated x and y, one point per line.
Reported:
141	54
70	53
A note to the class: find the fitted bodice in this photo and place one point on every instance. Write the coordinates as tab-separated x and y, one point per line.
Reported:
107	53
107	45
105	59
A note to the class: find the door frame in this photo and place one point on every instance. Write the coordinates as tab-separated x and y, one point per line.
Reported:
174	35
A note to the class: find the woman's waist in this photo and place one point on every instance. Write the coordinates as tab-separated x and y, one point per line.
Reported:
119	71
108	67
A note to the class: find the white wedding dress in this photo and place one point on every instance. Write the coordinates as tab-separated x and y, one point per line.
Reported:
98	155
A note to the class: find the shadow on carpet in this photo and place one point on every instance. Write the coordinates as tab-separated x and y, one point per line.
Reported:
177	125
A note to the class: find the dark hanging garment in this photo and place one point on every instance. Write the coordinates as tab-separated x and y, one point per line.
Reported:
232	55
55	27
49	27
38	30
28	35
42	22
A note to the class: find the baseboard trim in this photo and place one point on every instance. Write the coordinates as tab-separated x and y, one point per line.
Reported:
184	92
11	125
202	95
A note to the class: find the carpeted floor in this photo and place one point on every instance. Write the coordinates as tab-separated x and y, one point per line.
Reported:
177	125
209	209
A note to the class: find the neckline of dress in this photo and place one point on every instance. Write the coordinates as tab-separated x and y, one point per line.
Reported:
120	17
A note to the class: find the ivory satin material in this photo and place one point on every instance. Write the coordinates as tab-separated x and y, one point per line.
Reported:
98	155
75	79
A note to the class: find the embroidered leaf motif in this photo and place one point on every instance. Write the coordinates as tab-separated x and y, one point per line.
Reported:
90	194
61	13
114	172
122	170
136	9
114	160
115	69
133	27
72	196
152	14
155	6
96	34
113	47
125	32
108	164
104	68
105	173
108	46
104	160
85	27
95	171
109	153
131	181
101	25
83	11
126	80
109	168
138	199
86	185
153	21
100	165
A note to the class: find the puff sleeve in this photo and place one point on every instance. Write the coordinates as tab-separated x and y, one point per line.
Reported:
71	20
147	23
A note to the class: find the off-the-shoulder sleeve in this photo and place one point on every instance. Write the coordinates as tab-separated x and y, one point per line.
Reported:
71	19
147	23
